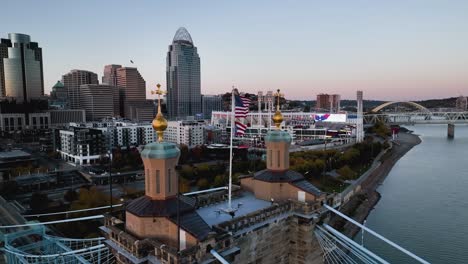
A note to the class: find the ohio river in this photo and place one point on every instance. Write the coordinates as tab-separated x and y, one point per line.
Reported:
424	204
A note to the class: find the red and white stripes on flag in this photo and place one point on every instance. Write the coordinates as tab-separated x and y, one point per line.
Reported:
240	128
241	109
241	106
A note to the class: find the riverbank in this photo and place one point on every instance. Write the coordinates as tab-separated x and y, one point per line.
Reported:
362	203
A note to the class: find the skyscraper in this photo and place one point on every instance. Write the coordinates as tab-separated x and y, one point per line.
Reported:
96	101
110	74
132	88
133	85
21	72
73	80
183	77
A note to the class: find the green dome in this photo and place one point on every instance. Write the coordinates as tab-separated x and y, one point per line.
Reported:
59	84
278	136
160	150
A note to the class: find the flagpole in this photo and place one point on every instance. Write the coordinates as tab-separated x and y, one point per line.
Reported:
233	116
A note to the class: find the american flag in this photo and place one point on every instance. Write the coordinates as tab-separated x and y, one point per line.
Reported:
242	106
240	128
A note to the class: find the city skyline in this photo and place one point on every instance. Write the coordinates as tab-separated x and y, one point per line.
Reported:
391	51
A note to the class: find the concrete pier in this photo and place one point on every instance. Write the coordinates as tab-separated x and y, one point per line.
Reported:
451	131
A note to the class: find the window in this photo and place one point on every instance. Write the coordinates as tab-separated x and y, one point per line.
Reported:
169	180
157	181
147	183
279	154
271	158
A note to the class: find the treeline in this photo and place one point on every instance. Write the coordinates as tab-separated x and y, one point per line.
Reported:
348	164
204	176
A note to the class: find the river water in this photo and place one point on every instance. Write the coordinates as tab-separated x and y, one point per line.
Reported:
424	204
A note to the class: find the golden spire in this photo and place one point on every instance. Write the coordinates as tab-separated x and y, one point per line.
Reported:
159	122
278	117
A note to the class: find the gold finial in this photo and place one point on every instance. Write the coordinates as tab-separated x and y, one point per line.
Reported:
278	117
159	122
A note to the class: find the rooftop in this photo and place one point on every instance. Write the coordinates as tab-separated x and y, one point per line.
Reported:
14	154
182	35
246	203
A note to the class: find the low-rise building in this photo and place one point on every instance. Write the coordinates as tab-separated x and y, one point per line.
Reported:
23	121
120	132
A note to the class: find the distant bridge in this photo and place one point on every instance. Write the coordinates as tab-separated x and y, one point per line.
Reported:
426	117
387	104
417	118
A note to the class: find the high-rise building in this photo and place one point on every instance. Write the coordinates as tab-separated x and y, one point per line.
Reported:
461	103
211	103
133	85
110	74
329	102
73	80
183	77
132	88
21	71
97	101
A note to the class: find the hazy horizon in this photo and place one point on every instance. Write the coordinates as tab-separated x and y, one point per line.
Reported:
391	50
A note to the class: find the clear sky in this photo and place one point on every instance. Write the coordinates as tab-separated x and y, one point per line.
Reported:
391	49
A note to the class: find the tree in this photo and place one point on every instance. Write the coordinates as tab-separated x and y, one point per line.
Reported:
346	173
187	172
184	153
184	185
219	180
197	153
203	184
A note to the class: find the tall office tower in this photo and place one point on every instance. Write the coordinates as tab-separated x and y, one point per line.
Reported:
461	103
183	77
133	85
359	118
95	100
73	80
21	72
110	74
329	102
132	88
211	103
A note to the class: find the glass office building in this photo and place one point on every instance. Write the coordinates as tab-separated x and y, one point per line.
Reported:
21	71
183	77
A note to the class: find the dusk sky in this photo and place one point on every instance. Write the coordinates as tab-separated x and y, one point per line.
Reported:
392	50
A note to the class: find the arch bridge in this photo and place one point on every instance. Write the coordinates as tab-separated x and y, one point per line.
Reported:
424	116
387	104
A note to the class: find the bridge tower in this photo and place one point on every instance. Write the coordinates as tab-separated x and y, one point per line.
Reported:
359	118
